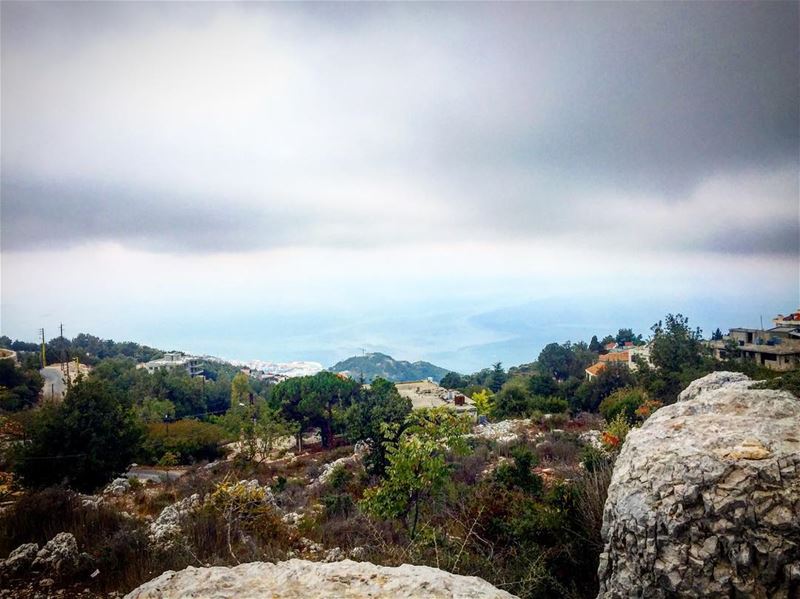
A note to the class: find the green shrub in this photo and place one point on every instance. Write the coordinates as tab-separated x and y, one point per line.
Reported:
789	381
339	478
187	440
338	504
512	401
549	405
614	435
594	459
623	401
83	441
279	485
519	473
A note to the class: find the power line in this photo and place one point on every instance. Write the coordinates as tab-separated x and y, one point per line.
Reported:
53	457
185	416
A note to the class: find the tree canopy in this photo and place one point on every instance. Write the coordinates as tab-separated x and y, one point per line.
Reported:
675	344
377	416
19	387
82	442
314	401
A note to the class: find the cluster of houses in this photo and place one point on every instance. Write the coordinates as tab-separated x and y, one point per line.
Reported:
619	353
262	375
776	348
192	365
173	361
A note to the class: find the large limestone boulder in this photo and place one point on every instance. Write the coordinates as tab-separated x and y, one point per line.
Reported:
714	381
301	579
705	499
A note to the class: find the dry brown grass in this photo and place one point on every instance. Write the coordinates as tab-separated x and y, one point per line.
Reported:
592	490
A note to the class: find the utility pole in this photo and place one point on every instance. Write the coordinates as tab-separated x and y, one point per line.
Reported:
63	354
44	351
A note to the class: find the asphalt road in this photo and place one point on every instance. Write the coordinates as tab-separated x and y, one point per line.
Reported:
154	474
54	385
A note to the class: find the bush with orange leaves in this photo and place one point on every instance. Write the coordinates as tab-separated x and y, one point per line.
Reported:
614	436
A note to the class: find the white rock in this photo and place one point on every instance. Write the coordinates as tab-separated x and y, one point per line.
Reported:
165	531
591	438
704	500
716	380
59	557
357	553
117	487
327	469
334	555
301	579
292	518
19	561
505	431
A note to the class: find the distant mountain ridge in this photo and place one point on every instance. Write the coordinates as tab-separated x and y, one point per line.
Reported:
374	365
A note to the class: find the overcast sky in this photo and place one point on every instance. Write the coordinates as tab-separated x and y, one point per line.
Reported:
284	181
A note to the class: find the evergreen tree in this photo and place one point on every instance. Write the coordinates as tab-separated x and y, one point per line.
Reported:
82	442
497	378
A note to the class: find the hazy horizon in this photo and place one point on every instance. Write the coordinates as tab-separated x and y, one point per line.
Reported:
456	183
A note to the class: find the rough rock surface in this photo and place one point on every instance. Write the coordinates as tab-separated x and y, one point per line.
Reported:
18	561
118	486
705	499
714	381
165	531
592	439
254	486
505	431
300	579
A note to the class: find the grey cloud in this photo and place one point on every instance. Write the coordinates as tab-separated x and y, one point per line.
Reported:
509	117
61	214
648	95
40	214
778	238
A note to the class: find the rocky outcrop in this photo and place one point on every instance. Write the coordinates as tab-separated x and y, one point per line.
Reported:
59	558
18	561
705	498
359	451
118	486
300	579
714	381
165	531
504	432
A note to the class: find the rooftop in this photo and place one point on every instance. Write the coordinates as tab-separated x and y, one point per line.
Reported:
621	356
595	369
779	349
784	329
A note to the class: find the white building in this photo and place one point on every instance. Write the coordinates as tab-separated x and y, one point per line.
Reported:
172	361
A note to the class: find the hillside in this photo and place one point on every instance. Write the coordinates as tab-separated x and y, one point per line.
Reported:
376	364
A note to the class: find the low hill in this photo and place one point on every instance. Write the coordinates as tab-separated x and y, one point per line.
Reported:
374	365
